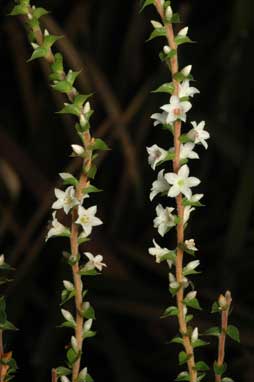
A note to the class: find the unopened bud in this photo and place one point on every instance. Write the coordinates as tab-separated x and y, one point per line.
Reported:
74	344
169	13
46	32
222	301
68	285
2	259
88	325
183	32
186	70
77	149
87	107
166	49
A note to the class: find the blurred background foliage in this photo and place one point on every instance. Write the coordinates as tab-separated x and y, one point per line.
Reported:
106	39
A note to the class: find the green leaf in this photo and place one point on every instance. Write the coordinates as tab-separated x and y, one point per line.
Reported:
38	53
219	369
90	189
72	356
57	66
50	40
71	76
92	171
164	57
227	379
7	325
61	370
66	296
80	99
21	9
39	12
89	313
199	343
183	376
214	331
165	88
233	333
70	109
183	357
179	40
146	4
177	340
201	366
158	32
179	76
99	144
90	272
200	377
170	311
175	18
170	255
67	324
193	303
184	138
189	317
215	307
187	202
88	334
62	86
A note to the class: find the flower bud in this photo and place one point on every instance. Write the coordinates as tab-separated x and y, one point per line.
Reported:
222	301
186	70
166	49
191	295
67	315
183	32
82	120
74	344
82	374
194	335
68	285
2	259
192	265
34	45
88	325
169	13
156	24
46	32
87	107
77	149
64	378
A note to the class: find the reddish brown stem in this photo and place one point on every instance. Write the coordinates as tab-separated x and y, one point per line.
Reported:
222	337
173	64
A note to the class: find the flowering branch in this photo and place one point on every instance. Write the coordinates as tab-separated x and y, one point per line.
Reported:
71	200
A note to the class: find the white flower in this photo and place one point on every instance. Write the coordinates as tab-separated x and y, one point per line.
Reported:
190	244
176	109
181	182
160	118
168	13
166	49
186	151
155	155
159	185
87	219
156	24
194	335
158	252
77	149
68	285
185	90
2	260
172	281
183	32
88	325
198	134
191	295
95	262
186	70
164	219
82	375
65	199
57	229
192	265
186	213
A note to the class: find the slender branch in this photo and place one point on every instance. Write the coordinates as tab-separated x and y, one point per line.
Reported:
222	337
53	375
180	209
1	355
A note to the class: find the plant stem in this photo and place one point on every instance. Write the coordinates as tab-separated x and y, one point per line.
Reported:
222	338
180	209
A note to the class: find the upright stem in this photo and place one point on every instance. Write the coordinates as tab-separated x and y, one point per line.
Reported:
180	209
1	355
222	338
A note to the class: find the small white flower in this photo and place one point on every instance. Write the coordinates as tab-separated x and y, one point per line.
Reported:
68	285
67	315
46	32
158	252
87	219
194	336
95	262
87	108
186	213
185	90
183	32
65	175
156	24
176	109
2	260
192	265
186	151
65	199
74	344
77	149
160	185
166	49
168	13
164	219
190	244
159	118
198	134
181	182
57	229
88	325
172	281
186	70
82	375
155	155
191	295
34	45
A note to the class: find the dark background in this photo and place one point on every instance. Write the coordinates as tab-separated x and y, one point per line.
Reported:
106	39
